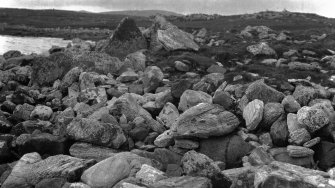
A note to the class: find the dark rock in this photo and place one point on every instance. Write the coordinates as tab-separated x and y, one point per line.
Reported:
224	149
126	39
259	90
42	143
272	111
224	99
48	69
51	182
178	88
279	132
197	164
12	54
325	154
290	104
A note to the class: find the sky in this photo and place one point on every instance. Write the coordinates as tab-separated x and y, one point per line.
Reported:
224	7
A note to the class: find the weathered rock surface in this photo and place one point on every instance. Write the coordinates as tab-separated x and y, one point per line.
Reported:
31	169
95	132
168	36
259	90
253	114
191	98
110	171
204	120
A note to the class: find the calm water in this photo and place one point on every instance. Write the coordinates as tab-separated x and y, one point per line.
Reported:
28	45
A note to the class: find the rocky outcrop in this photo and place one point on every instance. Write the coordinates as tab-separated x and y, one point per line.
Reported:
165	35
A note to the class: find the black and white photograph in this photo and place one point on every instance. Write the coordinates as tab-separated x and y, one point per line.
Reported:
167	94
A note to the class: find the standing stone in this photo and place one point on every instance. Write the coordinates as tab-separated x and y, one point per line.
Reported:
126	39
253	114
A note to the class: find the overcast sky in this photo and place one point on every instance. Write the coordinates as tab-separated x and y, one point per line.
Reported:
225	7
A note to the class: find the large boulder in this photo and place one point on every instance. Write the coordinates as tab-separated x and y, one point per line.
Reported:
48	69
31	169
126	39
259	90
165	35
110	171
95	132
205	120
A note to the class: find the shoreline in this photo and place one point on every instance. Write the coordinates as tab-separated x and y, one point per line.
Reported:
66	34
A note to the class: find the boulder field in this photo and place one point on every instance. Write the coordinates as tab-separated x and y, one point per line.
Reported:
146	108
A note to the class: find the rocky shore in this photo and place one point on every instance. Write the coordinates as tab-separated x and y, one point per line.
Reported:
147	108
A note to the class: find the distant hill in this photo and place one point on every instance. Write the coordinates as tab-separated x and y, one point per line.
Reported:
143	13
